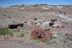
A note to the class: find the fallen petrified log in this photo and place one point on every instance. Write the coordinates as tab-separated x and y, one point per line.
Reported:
13	26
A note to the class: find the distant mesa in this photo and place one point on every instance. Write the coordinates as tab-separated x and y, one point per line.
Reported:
18	5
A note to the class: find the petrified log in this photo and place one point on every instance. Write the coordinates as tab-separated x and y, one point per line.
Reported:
40	34
14	26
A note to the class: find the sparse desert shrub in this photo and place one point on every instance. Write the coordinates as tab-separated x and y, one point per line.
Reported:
9	17
21	35
6	32
53	20
69	36
35	18
51	24
4	15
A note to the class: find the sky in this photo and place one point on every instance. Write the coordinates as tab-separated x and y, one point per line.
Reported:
6	3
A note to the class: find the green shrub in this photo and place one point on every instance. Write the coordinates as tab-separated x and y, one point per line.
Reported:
6	32
21	35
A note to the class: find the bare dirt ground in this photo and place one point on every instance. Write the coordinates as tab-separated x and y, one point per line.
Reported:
15	44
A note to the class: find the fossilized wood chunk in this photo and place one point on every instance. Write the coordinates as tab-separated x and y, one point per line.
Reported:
41	34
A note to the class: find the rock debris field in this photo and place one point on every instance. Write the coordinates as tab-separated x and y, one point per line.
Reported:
36	26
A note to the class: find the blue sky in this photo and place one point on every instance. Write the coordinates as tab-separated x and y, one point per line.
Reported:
6	3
